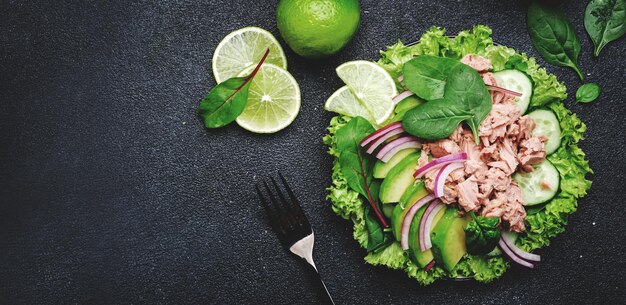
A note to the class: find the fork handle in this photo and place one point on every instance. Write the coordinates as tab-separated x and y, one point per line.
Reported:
304	249
319	277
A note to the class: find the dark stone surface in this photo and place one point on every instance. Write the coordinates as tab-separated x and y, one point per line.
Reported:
111	190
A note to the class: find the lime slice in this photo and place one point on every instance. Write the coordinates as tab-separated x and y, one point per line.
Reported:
273	100
344	102
244	48
372	85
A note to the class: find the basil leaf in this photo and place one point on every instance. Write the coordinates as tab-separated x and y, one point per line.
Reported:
605	21
467	89
587	93
226	101
481	234
356	165
553	36
427	75
434	120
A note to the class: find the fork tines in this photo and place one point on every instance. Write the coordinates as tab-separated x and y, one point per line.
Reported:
285	214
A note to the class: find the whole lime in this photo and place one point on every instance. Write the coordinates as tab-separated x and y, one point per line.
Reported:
317	28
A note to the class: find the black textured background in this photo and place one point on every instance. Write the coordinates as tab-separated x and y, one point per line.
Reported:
111	190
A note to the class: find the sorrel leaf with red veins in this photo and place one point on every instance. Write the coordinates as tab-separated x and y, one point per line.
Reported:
226	101
356	165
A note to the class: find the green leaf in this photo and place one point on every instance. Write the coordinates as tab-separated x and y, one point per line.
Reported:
467	89
226	101
481	234
377	239
356	165
427	75
587	93
605	21
434	120
553	36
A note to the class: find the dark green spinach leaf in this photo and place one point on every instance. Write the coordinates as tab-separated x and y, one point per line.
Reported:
427	75
553	36
605	21
356	165
465	98
377	238
434	120
481	234
226	101
587	93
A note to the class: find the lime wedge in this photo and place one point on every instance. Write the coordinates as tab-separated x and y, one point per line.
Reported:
372	85
244	48
344	102
273	100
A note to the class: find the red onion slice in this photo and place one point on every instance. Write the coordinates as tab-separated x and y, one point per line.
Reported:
512	255
380	132
427	221
395	150
439	162
389	146
503	90
519	252
404	94
383	138
408	218
444	172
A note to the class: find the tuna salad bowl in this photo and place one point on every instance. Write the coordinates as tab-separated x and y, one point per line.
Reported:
454	158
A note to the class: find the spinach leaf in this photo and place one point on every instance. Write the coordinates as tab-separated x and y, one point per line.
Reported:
481	234
356	165
434	120
226	101
427	75
605	21
465	98
466	90
587	93
553	36
377	238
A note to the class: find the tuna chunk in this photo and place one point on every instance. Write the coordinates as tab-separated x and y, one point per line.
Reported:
509	207
477	63
508	154
468	194
443	147
532	151
527	125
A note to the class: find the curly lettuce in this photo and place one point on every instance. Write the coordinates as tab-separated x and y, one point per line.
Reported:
569	159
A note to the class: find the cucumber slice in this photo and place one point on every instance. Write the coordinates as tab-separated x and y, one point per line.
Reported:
547	125
518	82
540	185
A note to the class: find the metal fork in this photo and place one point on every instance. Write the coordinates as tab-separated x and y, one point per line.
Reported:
289	222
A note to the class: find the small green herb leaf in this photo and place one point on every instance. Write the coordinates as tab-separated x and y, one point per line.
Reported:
427	75
587	93
481	234
226	101
605	21
356	165
553	36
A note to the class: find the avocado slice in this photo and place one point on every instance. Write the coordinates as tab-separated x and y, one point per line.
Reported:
399	178
411	196
419	257
381	169
448	238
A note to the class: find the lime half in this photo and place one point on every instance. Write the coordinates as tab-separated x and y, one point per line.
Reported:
372	85
273	100
244	48
344	102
